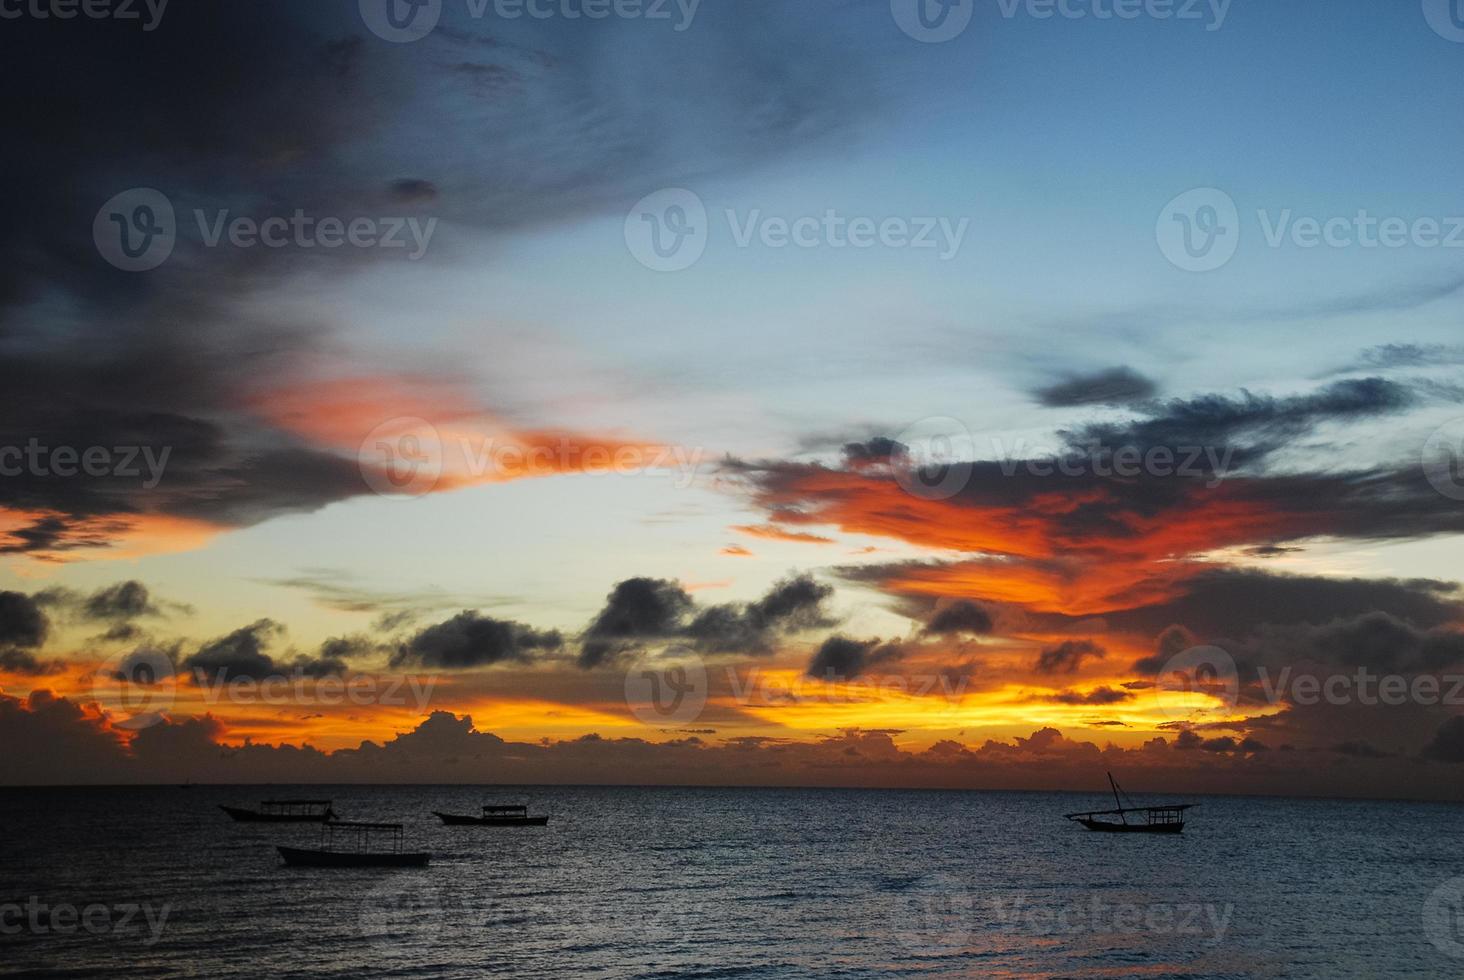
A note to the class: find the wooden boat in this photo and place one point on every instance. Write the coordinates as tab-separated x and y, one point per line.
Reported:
495	816
1145	819
283	811
358	855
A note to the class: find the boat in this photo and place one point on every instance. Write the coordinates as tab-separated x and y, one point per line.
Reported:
1167	819
358	855
494	816
283	811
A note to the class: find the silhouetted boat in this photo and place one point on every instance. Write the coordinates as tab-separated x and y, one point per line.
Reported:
329	856
1146	819
283	811
495	816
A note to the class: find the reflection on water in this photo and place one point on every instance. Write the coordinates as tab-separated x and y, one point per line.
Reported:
672	883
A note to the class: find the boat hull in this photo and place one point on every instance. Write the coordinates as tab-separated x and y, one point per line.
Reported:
254	816
1106	827
455	820
300	857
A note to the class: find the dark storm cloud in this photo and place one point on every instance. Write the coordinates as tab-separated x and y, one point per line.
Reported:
1097	696
960	616
792	604
638	610
1255	426
1067	657
1234	602
273	107
471	639
245	654
22	623
1114	386
240	654
118	604
840	658
880	449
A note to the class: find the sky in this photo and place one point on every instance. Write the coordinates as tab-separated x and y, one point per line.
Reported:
842	393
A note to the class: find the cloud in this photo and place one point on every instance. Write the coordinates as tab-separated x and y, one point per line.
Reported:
1114	386
22	623
960	616
471	639
840	658
1067	657
1097	696
636	609
772	532
646	609
240	654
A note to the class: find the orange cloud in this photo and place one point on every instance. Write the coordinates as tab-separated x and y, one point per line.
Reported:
772	532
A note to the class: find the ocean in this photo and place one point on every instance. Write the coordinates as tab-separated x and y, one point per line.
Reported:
673	883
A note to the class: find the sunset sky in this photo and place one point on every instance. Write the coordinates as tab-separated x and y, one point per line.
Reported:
522	478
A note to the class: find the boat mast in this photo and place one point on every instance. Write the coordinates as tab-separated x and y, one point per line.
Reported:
1117	802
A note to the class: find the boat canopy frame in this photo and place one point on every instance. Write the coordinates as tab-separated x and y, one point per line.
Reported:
360	834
